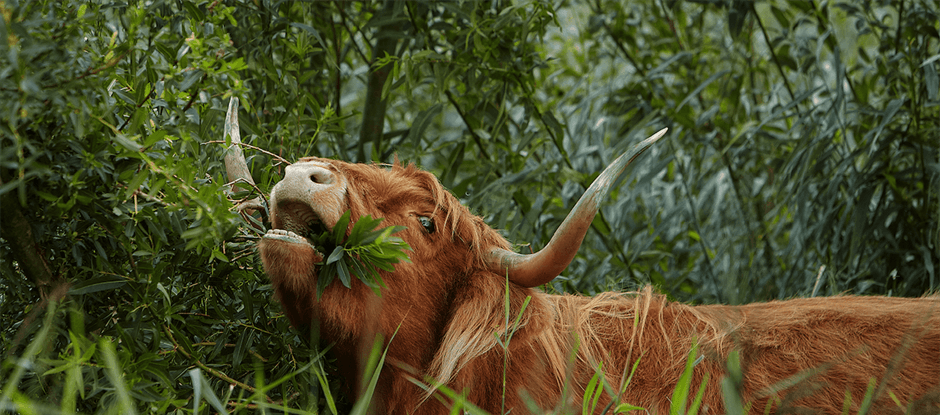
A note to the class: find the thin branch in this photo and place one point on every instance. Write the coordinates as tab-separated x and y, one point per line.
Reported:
352	35
138	105
695	221
476	138
598	9
192	98
275	156
87	73
773	54
252	352
834	45
624	51
211	371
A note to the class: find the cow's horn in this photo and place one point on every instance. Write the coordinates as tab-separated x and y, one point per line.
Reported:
530	270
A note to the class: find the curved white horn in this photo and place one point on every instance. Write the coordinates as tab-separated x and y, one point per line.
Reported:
530	270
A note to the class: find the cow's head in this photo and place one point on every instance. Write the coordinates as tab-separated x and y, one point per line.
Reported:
315	193
446	239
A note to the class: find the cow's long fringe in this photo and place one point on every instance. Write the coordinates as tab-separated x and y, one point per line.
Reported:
579	327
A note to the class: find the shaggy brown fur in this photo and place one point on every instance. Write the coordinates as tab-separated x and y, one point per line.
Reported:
448	311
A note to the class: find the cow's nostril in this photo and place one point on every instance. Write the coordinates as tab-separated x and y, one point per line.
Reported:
321	176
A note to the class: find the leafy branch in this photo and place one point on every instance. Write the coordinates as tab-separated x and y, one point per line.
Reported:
203	366
363	253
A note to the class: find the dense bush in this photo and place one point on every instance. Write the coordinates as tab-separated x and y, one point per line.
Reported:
802	159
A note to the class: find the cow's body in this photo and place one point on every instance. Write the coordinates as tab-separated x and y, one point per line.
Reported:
447	306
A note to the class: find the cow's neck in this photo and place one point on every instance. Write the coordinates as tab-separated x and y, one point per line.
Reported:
356	323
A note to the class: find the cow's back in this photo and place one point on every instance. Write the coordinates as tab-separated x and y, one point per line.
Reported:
821	353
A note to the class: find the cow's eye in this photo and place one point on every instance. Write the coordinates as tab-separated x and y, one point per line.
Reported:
427	223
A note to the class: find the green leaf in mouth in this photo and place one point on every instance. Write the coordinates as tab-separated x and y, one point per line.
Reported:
368	249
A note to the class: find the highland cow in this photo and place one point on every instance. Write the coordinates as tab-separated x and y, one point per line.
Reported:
442	316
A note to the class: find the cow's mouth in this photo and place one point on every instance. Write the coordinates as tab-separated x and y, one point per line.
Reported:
299	223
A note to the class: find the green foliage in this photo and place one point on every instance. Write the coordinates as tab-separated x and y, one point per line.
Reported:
680	396
374	365
731	385
802	157
109	112
361	254
503	339
593	391
625	407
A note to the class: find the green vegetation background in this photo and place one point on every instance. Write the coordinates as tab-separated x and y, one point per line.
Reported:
802	159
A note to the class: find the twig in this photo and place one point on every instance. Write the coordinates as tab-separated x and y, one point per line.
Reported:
208	369
253	353
138	105
277	157
476	138
773	55
192	98
352	35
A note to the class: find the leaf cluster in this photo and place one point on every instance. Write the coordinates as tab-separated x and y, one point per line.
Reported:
363	253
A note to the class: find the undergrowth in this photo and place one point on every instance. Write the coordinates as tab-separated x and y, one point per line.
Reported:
97	368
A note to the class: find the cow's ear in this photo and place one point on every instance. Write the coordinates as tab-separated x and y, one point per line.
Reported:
427	222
